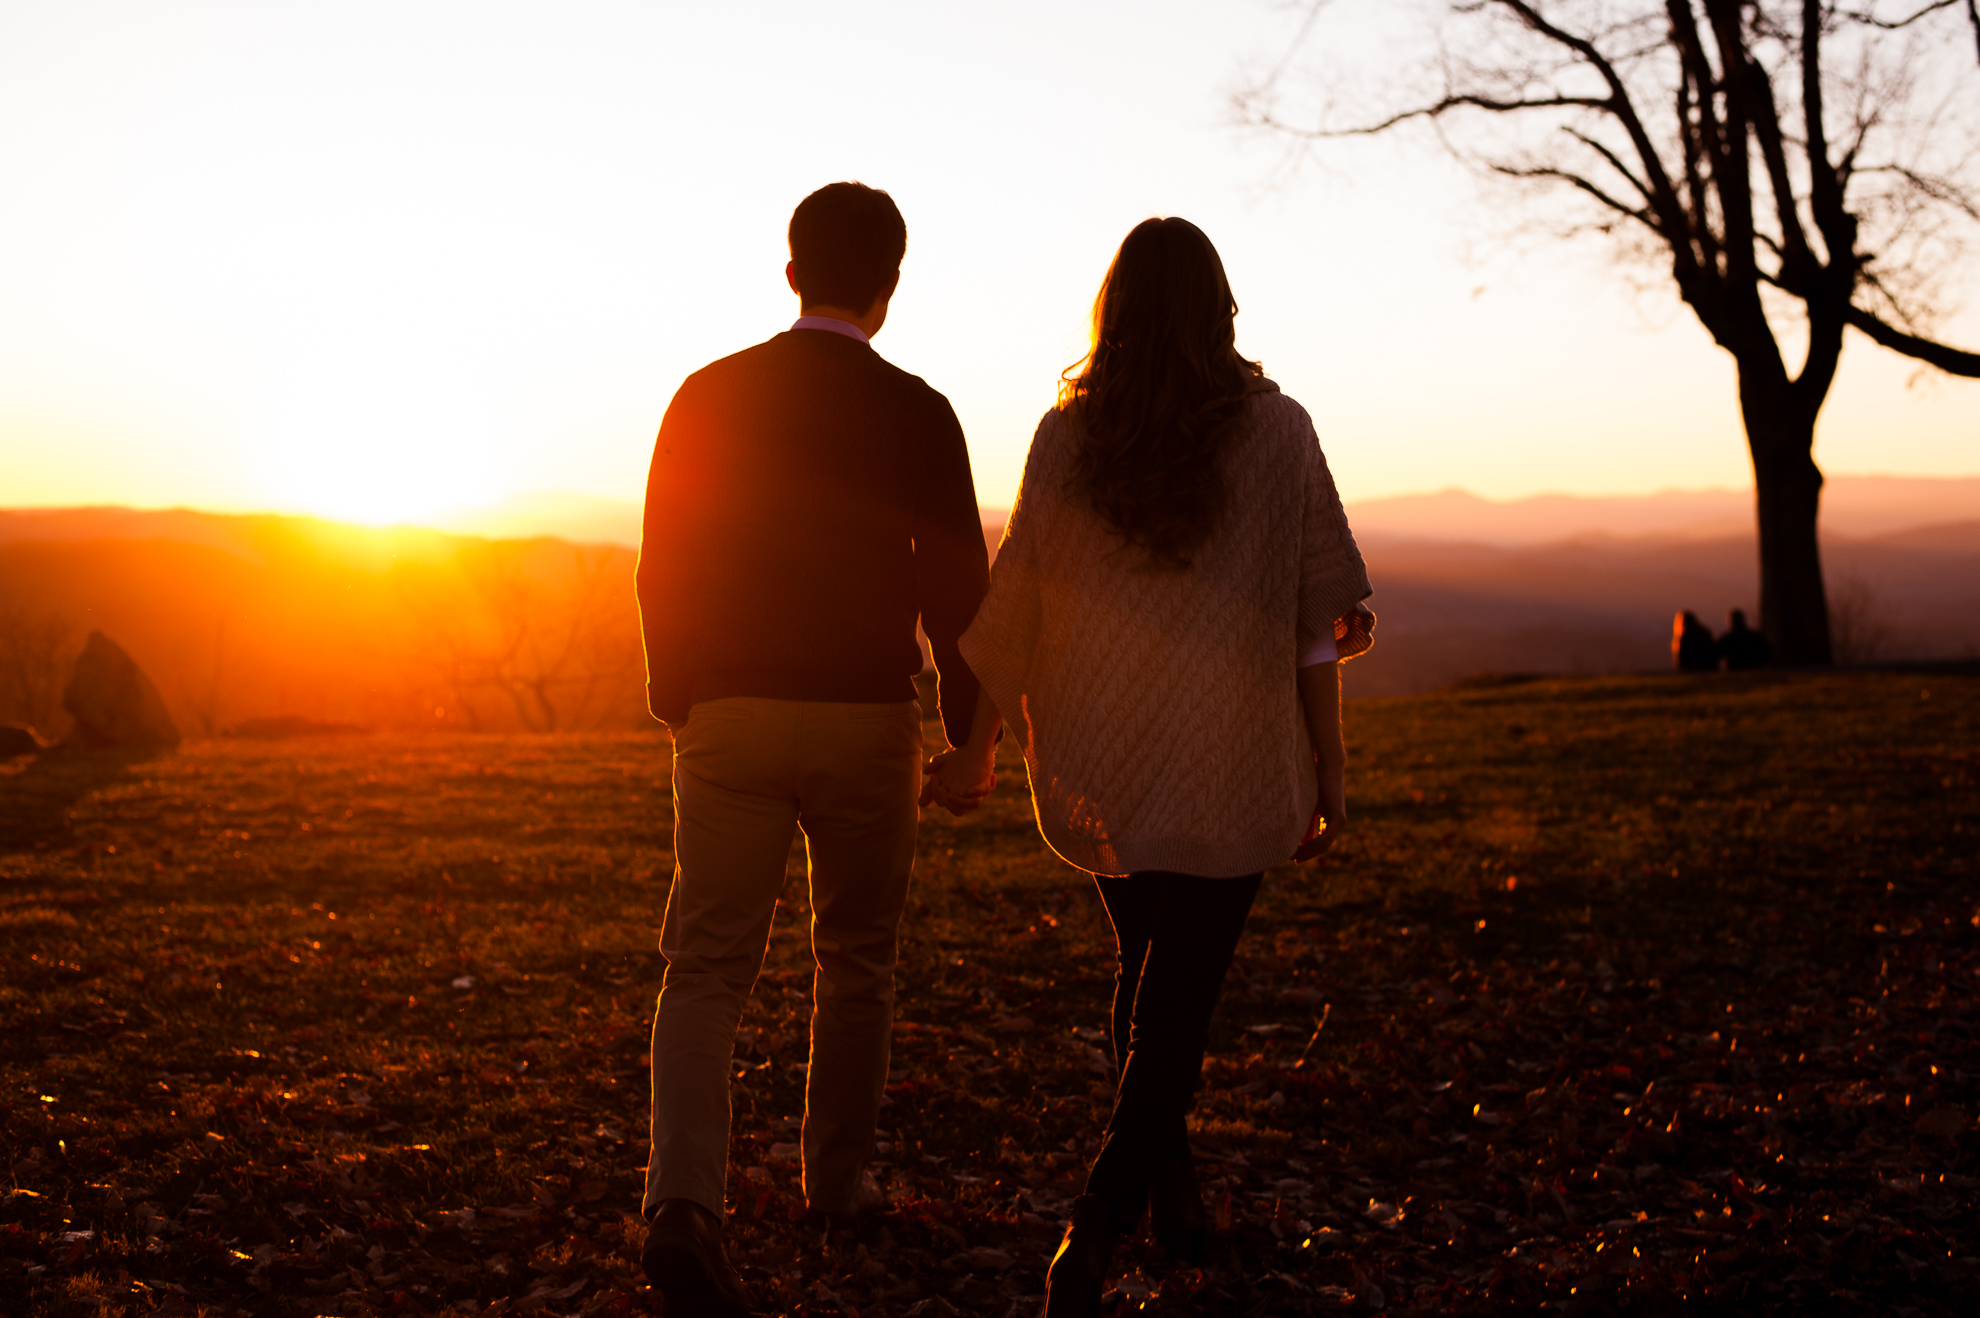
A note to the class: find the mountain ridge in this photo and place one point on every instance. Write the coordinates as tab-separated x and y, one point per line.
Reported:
1853	505
243	616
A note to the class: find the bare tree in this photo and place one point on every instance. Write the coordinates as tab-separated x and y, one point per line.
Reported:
545	628
1802	169
443	649
556	655
208	698
1857	620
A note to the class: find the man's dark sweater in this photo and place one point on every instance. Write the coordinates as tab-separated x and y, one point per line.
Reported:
807	502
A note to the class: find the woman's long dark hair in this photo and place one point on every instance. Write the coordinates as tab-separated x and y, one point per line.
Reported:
1159	392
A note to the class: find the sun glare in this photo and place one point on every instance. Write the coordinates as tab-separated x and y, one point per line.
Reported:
371	480
379	456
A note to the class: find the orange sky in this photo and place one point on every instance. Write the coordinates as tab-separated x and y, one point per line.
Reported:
381	260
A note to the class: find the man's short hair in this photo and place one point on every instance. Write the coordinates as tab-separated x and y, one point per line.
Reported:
847	241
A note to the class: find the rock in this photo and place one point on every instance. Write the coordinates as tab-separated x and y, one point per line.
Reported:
114	704
18	739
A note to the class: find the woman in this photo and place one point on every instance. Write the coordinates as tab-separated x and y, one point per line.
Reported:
1174	589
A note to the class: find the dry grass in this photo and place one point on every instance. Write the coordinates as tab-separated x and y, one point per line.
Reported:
1638	994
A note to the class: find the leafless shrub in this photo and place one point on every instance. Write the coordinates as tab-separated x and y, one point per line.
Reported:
548	634
36	654
206	687
1858	622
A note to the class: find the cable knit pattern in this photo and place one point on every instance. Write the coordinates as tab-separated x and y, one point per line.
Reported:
1156	707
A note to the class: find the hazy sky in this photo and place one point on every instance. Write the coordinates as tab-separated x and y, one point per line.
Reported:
378	260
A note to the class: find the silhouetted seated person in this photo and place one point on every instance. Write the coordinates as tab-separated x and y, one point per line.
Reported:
1742	647
1692	648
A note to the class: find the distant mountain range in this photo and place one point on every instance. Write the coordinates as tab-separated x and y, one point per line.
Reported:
1851	506
1605	604
265	616
246	620
584	518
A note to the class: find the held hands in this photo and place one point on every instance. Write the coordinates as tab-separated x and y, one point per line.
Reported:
959	779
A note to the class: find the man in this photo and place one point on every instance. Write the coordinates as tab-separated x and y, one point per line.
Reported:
1742	647
807	502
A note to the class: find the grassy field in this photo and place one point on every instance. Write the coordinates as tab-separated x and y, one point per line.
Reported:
1619	995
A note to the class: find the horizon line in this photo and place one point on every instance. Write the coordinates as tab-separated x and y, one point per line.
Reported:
434	522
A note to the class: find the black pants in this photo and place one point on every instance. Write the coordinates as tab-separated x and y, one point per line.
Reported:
1176	934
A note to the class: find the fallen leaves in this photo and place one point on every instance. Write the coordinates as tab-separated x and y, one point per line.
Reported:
1431	1088
1943	1123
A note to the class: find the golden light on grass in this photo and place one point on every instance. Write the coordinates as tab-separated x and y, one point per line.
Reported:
341	1116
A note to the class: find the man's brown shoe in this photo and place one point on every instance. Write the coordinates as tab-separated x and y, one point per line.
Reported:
684	1258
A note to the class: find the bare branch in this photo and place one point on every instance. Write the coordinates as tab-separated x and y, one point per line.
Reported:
1891	25
1953	361
1292	50
1440	108
1825	195
1689	92
1772	150
1573	180
1615	161
1663	196
1732	176
1937	189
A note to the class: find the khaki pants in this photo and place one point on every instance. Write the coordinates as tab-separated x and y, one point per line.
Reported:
748	771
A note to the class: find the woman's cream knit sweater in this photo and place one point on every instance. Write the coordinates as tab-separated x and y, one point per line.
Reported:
1157	707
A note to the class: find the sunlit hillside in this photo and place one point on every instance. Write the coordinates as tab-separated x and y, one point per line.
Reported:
246	619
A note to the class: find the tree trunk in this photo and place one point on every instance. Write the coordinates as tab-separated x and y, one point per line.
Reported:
1787	491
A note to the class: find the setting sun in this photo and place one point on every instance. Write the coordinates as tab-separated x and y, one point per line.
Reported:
392	453
376	262
886	660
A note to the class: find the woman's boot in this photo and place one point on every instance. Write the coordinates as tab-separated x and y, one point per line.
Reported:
1175	1208
1079	1270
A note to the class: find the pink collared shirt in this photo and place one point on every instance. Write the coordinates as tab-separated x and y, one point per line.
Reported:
831	324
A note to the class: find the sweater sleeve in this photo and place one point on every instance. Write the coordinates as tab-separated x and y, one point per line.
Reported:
951	567
662	580
1333	580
